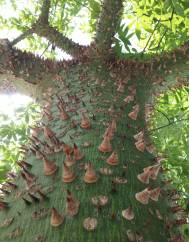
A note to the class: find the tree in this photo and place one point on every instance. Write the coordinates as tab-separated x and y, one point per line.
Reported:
90	169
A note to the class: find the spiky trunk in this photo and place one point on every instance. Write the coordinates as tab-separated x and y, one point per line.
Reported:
106	185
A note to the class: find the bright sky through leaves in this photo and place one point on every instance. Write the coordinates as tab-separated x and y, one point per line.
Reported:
8	103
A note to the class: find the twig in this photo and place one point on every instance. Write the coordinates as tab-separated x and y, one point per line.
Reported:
171	123
45	50
171	18
165	115
161	38
158	22
165	32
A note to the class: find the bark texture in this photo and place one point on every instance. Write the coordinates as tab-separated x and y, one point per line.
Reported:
109	20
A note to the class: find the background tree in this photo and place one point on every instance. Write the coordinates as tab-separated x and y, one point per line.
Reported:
90	165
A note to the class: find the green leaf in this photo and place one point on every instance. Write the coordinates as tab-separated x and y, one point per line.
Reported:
118	48
138	33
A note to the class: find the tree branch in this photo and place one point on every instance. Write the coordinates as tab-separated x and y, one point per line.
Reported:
170	69
161	39
61	41
22	36
44	17
107	25
157	24
24	65
45	50
166	28
167	125
165	115
43	29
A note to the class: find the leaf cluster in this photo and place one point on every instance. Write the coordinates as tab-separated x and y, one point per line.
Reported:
170	122
153	26
14	132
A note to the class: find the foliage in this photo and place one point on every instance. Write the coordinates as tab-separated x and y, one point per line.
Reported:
170	133
152	25
24	15
14	133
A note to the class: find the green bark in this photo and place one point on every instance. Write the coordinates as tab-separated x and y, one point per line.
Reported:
91	88
107	25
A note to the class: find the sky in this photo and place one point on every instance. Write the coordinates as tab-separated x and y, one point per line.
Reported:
8	103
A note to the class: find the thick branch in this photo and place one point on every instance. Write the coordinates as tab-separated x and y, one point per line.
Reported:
108	22
24	65
22	36
171	69
166	72
61	41
43	29
44	17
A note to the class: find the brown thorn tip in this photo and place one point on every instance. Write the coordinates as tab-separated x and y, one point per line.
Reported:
105	146
77	153
56	218
143	196
68	175
90	175
113	159
49	167
85	122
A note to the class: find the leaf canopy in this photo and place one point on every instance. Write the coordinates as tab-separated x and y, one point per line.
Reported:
146	26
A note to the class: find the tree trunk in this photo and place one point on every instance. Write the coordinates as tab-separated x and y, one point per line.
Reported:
86	108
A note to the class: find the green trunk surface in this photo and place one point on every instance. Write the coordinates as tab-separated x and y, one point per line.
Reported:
81	91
